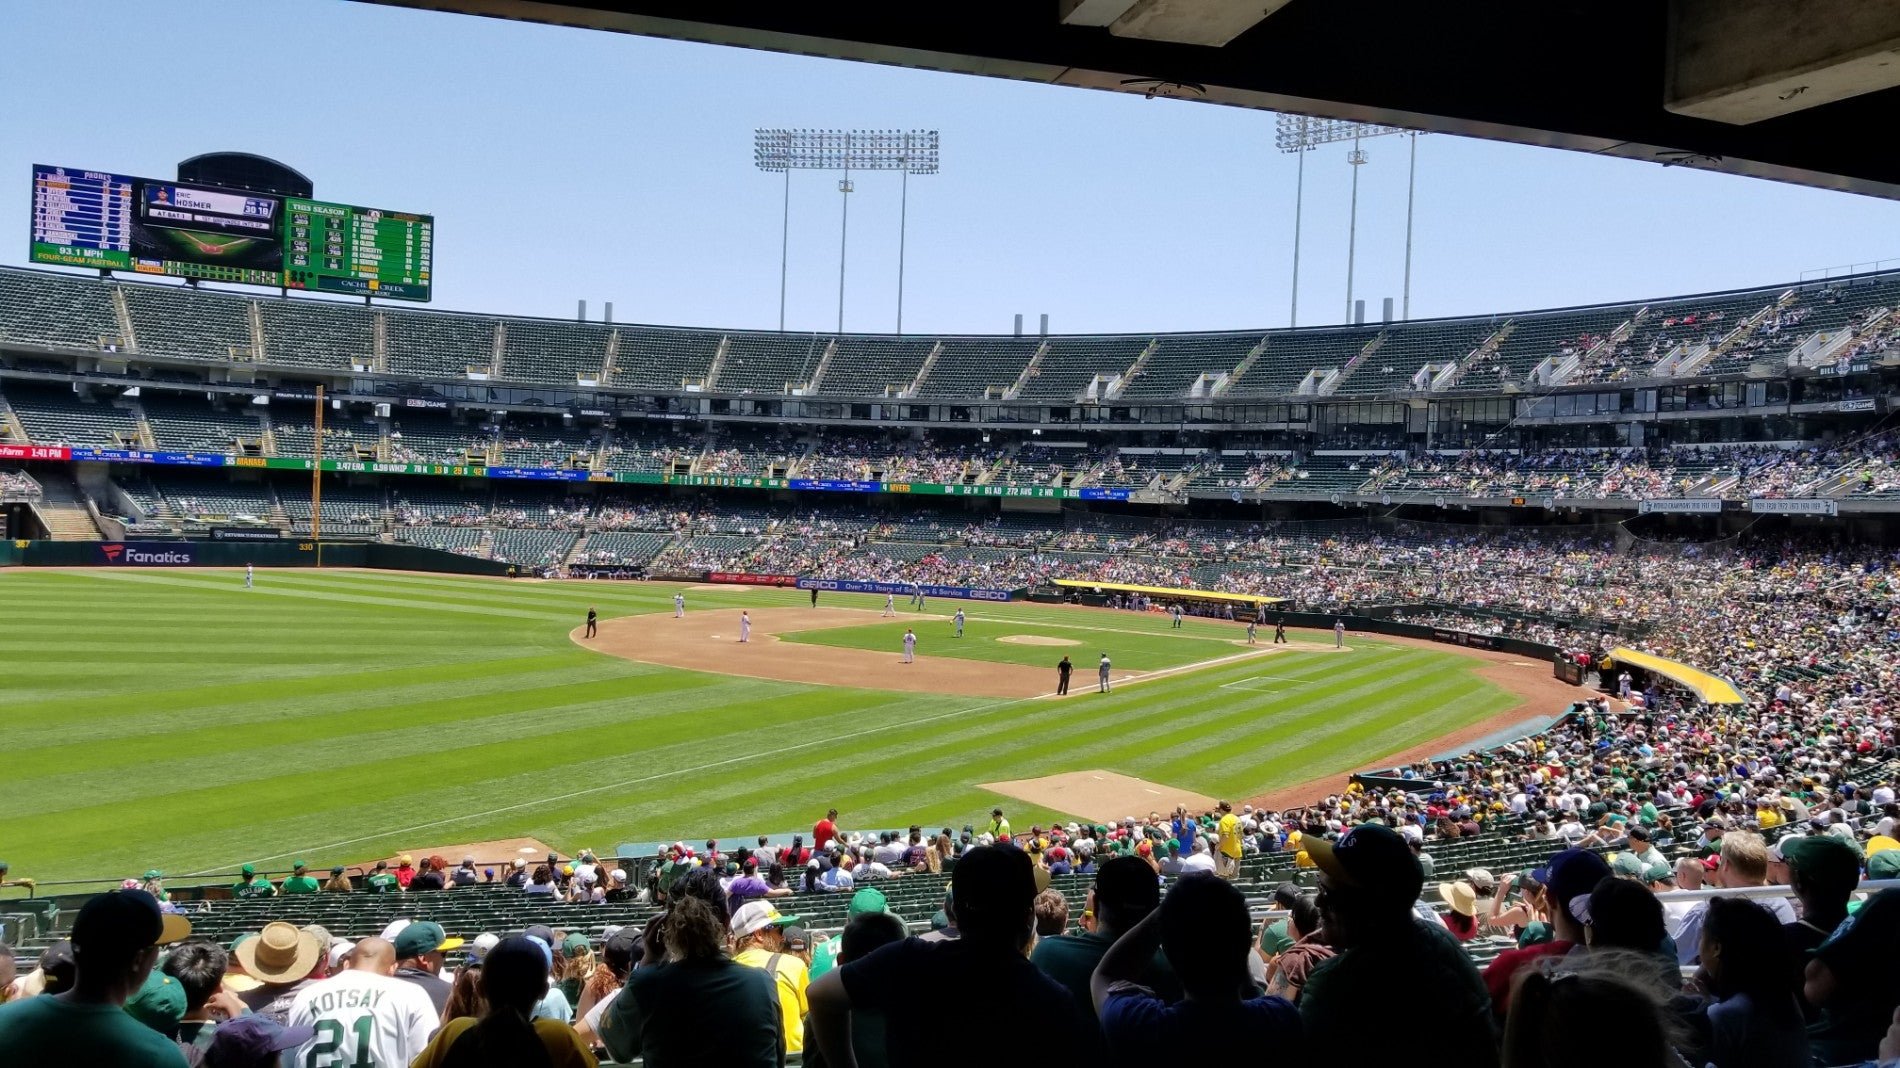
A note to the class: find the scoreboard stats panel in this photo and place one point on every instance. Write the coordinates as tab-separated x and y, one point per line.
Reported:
115	222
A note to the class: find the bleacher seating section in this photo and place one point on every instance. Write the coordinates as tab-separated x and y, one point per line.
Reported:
63	311
548	350
194	425
53	415
55	310
182	321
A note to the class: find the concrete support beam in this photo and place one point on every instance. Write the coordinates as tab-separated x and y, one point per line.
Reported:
1743	61
1211	23
1094	12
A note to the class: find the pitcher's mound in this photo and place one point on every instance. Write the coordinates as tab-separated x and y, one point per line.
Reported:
1101	796
1036	639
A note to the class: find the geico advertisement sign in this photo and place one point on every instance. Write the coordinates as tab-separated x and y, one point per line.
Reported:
143	556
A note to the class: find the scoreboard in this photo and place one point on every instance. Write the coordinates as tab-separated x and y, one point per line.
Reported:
113	222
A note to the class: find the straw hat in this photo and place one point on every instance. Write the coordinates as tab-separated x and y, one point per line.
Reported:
1460	896
281	953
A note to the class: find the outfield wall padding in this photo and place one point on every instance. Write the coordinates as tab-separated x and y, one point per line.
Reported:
141	555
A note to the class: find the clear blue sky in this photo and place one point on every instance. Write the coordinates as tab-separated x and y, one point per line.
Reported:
564	164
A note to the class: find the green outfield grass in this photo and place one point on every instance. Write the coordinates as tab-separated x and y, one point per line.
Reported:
1131	645
173	719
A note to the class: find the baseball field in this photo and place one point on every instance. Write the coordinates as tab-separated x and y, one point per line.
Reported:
174	719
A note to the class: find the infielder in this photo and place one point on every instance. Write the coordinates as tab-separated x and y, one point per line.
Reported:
958	620
910	646
1101	672
1175	611
679	606
1339	634
745	626
1253	632
890	604
250	575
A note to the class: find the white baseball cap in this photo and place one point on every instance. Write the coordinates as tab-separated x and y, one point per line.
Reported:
755	916
395	927
478	947
338	950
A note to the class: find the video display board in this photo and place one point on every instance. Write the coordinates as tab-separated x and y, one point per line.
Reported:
115	222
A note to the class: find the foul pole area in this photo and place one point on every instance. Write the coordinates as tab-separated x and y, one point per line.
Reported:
316	483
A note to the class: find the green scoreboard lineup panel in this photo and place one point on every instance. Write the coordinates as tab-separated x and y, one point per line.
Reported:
340	248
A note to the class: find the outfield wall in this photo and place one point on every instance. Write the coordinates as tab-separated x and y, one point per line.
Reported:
286	553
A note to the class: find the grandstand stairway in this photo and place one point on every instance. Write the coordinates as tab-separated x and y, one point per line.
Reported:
817	380
1030	370
923	372
63	510
1240	370
128	336
711	381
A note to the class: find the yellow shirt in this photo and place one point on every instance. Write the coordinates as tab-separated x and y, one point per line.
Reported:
1229	829
792	979
563	1045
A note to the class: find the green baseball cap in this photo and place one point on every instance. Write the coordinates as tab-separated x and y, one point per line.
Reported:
298	865
424	936
1823	857
575	943
1659	873
1627	865
869	899
240	940
154	875
159	1004
248	869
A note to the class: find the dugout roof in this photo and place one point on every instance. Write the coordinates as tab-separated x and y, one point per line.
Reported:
1794	90
1711	688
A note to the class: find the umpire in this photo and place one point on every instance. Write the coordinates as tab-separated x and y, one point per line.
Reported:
1063	671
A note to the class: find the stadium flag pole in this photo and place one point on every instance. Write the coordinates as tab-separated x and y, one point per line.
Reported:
316	484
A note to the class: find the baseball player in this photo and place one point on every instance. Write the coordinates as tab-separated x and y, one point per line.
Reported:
679	606
958	620
920	598
1175	611
745	626
593	620
1253	632
250	576
910	646
916	595
1339	634
1101	672
890	604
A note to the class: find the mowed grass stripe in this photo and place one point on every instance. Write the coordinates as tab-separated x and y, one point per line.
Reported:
176	718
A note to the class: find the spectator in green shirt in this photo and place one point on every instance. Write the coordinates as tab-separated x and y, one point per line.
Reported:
251	886
115	944
301	881
381	881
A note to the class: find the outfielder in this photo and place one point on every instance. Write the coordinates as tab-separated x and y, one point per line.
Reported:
250	575
745	626
890	604
958	620
910	646
1339	634
1253	632
679	606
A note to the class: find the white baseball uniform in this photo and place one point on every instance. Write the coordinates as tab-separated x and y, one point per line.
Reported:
910	647
745	627
679	606
362	1018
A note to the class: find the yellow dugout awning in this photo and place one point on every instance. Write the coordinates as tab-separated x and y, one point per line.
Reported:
1165	591
1711	688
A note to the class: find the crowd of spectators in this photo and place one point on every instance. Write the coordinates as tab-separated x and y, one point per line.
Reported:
18	485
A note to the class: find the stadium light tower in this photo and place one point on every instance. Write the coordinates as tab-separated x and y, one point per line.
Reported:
906	151
1299	134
